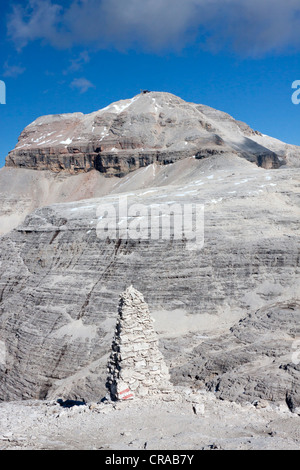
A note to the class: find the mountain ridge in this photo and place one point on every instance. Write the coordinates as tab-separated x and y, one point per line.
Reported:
152	127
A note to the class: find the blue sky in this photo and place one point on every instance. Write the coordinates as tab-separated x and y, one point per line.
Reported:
239	56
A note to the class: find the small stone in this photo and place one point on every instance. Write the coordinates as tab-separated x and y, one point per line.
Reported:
261	404
198	408
140	364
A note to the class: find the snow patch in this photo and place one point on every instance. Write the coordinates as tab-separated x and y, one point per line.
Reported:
21	146
66	142
46	142
118	108
39	138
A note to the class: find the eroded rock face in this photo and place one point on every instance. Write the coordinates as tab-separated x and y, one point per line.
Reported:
150	128
60	285
136	366
254	360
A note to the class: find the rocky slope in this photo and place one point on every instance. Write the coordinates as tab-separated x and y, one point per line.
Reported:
150	129
60	284
227	313
254	359
155	127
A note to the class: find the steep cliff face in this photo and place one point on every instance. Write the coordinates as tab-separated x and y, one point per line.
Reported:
60	283
156	127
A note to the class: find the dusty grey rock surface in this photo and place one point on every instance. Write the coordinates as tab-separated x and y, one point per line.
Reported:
252	361
22	191
60	282
148	424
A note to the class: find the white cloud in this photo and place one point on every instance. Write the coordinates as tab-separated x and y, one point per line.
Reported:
82	84
12	70
250	27
38	20
76	64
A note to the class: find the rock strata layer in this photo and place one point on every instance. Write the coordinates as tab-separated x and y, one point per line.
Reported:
60	285
136	366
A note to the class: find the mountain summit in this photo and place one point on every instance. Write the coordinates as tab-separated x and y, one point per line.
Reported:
152	127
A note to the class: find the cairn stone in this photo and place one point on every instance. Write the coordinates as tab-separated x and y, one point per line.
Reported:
136	366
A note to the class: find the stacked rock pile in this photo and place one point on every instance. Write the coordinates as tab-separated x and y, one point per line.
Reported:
136	366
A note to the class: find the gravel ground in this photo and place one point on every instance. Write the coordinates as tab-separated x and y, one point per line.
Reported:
187	420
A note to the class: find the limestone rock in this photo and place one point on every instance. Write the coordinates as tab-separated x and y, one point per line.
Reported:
76	156
156	127
199	408
60	285
253	362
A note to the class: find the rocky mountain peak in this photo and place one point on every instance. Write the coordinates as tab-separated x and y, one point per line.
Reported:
151	127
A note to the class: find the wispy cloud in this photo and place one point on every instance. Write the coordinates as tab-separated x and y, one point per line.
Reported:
82	84
248	27
38	20
12	70
77	63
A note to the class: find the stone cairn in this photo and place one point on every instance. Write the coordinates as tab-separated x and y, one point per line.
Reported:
136	366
